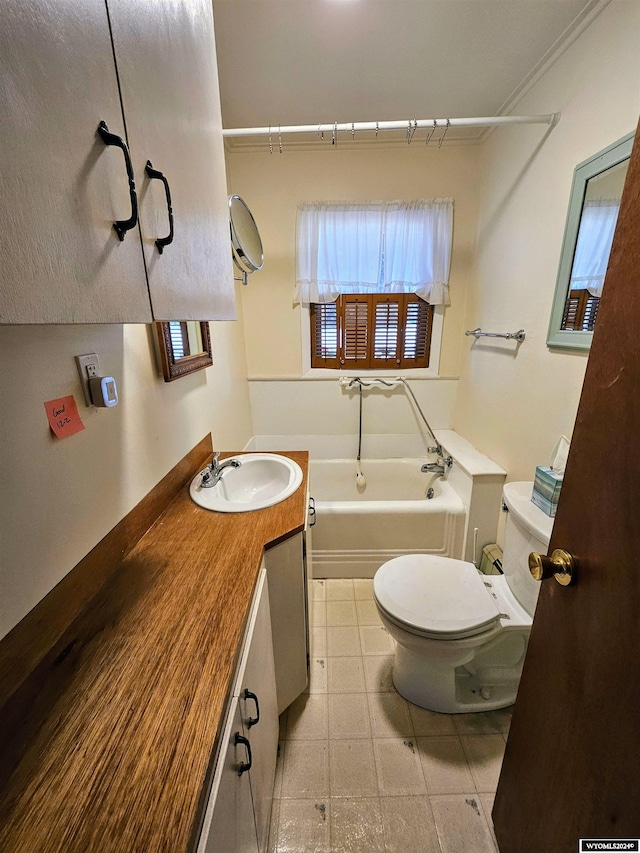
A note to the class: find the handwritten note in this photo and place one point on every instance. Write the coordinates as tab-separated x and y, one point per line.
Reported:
63	416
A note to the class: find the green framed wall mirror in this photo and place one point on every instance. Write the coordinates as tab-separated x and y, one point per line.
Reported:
593	211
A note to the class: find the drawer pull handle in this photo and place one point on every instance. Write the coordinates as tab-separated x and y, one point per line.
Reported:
242	767
161	242
312	512
252	721
121	226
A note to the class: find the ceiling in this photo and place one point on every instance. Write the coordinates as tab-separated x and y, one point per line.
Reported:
320	61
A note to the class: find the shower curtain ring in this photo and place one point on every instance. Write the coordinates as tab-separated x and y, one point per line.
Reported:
320	132
270	141
334	134
377	128
440	141
353	130
431	132
279	139
411	130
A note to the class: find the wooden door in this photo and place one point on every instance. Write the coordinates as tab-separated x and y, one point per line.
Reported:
62	188
166	60
572	763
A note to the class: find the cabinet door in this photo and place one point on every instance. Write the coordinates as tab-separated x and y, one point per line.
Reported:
286	571
62	188
166	58
229	824
259	711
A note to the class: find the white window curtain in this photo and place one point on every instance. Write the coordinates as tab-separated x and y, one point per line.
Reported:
374	247
593	247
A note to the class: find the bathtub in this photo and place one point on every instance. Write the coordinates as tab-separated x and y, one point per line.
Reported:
357	529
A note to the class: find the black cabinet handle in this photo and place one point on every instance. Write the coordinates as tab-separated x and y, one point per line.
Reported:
252	721
242	767
121	226
312	512
161	242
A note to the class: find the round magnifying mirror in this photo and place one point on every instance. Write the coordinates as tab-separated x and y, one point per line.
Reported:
245	237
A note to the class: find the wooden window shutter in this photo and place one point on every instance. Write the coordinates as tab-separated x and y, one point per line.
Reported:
324	335
416	343
590	313
581	311
571	310
371	331
387	316
356	330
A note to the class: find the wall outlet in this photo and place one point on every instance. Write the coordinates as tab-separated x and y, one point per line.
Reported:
88	368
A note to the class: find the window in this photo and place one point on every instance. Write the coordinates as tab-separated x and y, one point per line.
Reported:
371	331
370	274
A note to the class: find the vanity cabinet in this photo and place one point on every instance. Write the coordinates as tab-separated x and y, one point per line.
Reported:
238	812
61	260
231	827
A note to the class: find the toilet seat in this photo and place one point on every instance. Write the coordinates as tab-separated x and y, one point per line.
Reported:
435	597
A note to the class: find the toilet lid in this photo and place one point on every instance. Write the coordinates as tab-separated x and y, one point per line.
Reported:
435	596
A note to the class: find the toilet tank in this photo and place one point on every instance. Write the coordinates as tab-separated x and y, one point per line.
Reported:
527	529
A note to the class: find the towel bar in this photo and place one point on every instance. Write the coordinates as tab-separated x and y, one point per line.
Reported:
516	336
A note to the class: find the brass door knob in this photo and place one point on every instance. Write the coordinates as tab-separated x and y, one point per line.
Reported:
559	565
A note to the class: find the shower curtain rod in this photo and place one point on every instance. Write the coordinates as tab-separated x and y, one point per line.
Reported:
410	125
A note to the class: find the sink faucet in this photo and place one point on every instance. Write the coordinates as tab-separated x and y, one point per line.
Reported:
212	473
438	467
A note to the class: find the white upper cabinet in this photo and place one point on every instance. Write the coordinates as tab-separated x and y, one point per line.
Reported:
62	188
165	54
61	260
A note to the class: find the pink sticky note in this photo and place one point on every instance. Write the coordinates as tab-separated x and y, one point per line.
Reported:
63	416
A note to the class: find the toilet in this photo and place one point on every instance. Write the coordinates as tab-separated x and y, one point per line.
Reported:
461	636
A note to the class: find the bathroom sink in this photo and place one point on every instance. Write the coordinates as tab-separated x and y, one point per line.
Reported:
261	480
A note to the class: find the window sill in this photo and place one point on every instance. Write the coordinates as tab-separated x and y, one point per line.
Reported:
319	375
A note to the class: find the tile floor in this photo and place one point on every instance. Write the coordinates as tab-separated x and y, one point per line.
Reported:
361	770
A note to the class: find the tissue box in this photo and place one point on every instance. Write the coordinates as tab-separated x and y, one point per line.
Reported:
546	489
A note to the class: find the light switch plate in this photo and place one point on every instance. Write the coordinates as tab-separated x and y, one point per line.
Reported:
88	368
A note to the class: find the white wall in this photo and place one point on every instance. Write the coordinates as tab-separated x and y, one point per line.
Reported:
60	497
273	186
514	404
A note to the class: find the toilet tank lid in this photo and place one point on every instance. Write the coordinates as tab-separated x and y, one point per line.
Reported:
435	594
517	497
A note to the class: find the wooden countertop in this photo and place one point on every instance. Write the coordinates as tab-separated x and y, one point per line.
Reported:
125	725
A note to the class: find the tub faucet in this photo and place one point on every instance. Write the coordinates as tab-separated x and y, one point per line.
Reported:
439	467
212	473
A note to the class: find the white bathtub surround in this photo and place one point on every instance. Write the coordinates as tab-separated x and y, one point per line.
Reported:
377	446
360	528
296	406
475	479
